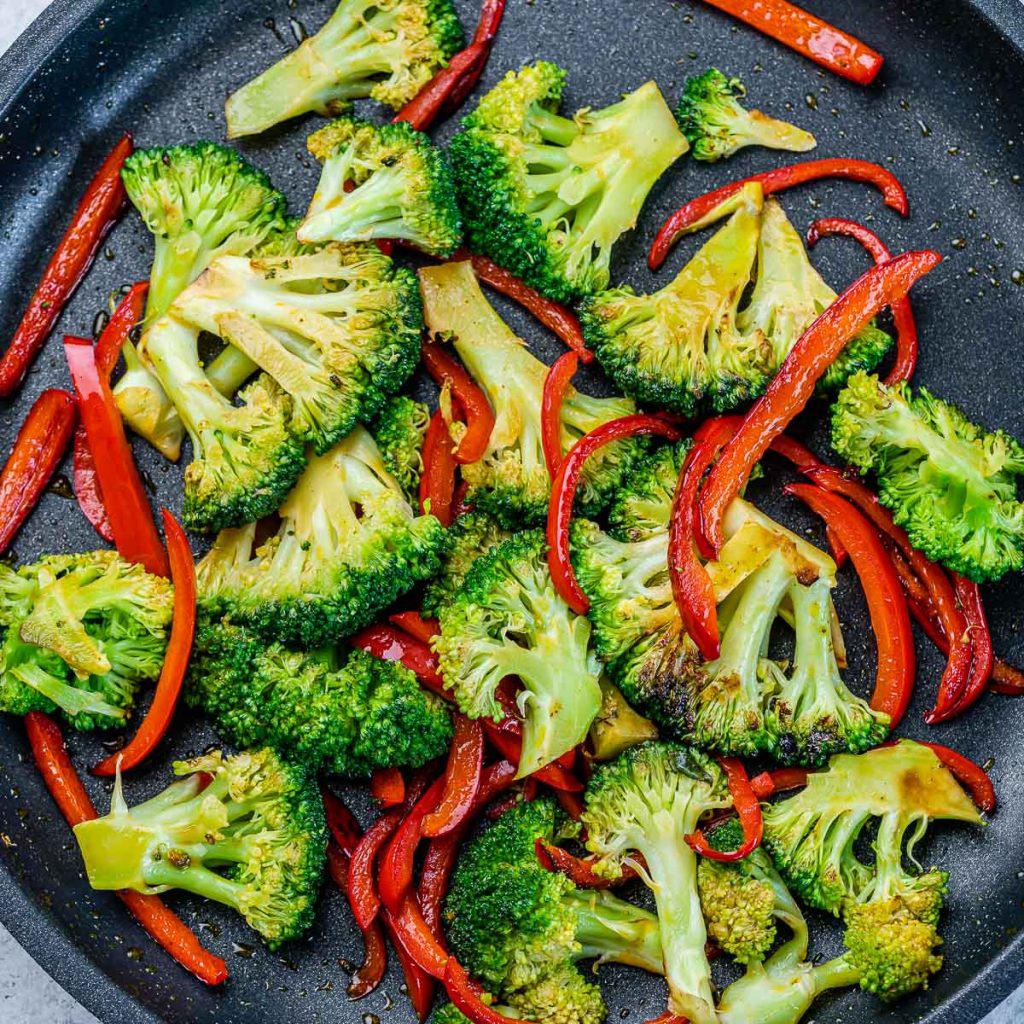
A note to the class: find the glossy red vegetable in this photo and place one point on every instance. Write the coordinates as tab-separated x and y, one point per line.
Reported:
555	386
477	412
130	312
887	607
87	487
362	887
421	986
38	449
748	811
579	869
415	625
461	779
395	878
465	994
491	13
437	484
423	109
792	388
131	517
974	777
65	786
563	496
392	644
415	935
97	213
782	178
982	657
387	786
812	37
1006	678
508	743
767	784
344	828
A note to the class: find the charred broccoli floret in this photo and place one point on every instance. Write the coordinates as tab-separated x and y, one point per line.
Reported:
403	188
80	634
952	485
548	196
399	429
253	838
508	620
347	545
383	49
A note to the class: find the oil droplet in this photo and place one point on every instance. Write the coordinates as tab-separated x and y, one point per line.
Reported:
811	100
1017	277
371	1018
61	486
925	130
953	151
959	243
244	951
99	322
623	1013
272	25
935	225
134	953
299	31
972	213
1014	179
989	764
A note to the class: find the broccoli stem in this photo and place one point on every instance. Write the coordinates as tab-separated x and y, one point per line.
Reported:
174	269
372	210
613	930
70	699
230	370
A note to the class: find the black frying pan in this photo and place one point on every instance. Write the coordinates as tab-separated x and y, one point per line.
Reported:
945	115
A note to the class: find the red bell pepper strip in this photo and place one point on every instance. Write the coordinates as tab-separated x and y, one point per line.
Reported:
130	312
462	779
423	109
887	607
782	178
767	784
387	786
362	889
477	411
415	935
975	778
38	449
491	13
415	625
571	803
1006	679
395	879
131	517
420	986
810	36
563	496
579	869
179	649
65	786
392	644
97	213
344	828
982	658
555	386
465	995
87	487
792	388
437	484
748	810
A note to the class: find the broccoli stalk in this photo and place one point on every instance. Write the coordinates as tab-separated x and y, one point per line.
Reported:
384	49
403	188
548	196
253	839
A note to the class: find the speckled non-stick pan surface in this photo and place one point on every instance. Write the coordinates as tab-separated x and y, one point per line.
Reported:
946	115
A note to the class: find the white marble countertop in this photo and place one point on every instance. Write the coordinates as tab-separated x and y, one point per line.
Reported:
27	994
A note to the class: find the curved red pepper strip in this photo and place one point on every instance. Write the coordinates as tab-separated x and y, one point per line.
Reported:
563	496
1006	679
579	869
465	994
130	312
509	745
362	889
571	803
131	517
437	484
423	109
65	786
560	375
477	411
344	828
767	784
413	932
748	810
810	36
974	777
782	178
491	14
387	787
87	487
415	625
38	449
395	878
461	779
793	386
982	661
902	312
887	607
97	213
392	644
420	986
179	649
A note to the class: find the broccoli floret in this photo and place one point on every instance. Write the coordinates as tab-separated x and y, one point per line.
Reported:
646	802
337	329
548	196
81	633
716	124
508	620
399	429
403	188
383	49
471	536
245	830
949	483
511	482
345	713
347	545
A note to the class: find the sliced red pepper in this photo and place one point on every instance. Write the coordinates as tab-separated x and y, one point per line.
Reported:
38	449
748	811
423	109
477	411
131	517
97	213
579	869
810	36
344	828
362	888
563	496
465	994
130	312
792	388
395	879
555	386
491	13
87	487
387	786
1006	678
417	938
420	986
392	644
415	625
570	802
782	178
982	658
437	484
767	784
887	607
461	780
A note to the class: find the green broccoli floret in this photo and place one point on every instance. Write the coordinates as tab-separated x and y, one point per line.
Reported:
548	196
80	634
646	802
403	188
508	620
245	830
950	484
337	329
511	482
521	929
716	124
347	545
345	713
383	49
399	429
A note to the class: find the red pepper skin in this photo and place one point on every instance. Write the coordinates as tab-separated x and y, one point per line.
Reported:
437	485
830	47
579	869
423	109
131	517
563	496
767	784
415	625
392	644
462	779
179	649
362	889
87	487
387	786
421	986
748	810
478	414
792	388
38	449
491	13
465	994
1006	679
555	386
413	933
982	660
974	777
130	312
344	828
887	607
395	878
97	213
893	194
65	786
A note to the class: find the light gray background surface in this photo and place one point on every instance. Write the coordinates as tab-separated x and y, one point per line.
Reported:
27	994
